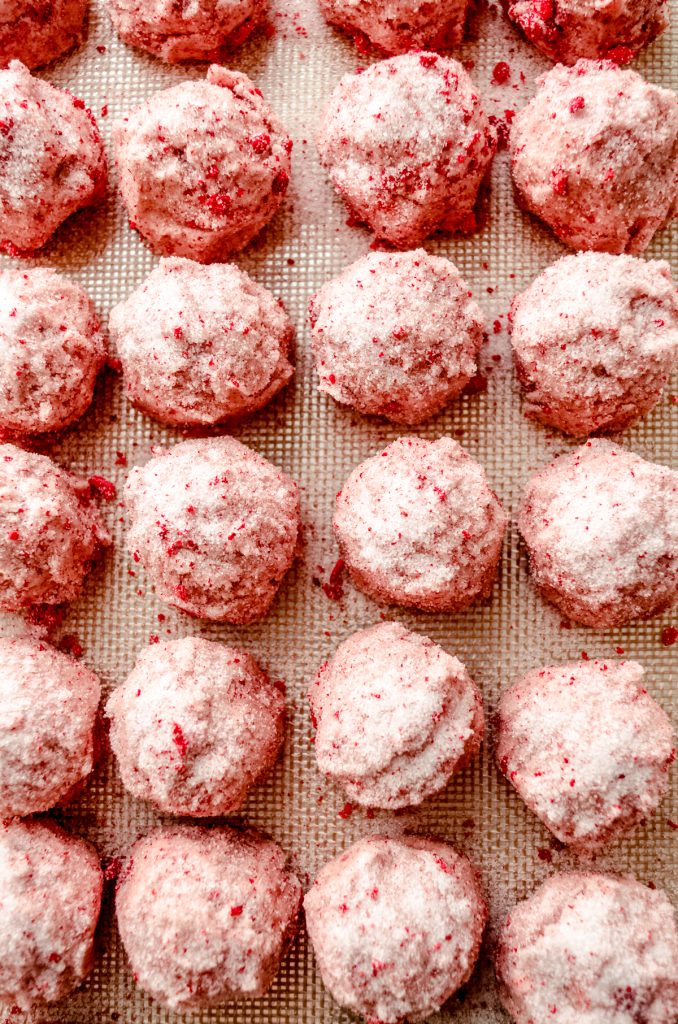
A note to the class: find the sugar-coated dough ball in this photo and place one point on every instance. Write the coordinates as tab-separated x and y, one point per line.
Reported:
206	915
396	925
587	748
201	30
50	896
203	166
201	345
595	155
418	525
52	160
215	525
396	335
590	949
595	339
51	350
601	529
396	26
407	144
194	726
50	532
395	717
38	31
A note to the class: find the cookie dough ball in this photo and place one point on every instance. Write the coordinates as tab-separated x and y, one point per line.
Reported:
587	749
215	525
38	31
595	339
602	535
566	30
396	926
418	525
595	156
52	160
50	532
50	896
194	726
407	144
203	30
590	949
201	345
395	717
396	335
243	907
203	166
396	26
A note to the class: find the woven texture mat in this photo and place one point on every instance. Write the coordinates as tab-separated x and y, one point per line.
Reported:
319	443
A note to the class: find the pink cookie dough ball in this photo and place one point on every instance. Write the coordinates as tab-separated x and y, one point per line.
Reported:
50	532
51	351
396	26
395	717
601	530
36	32
202	30
396	335
407	145
48	710
203	166
595	339
590	949
206	915
215	525
52	160
201	345
194	726
396	926
418	525
595	156
587	749
50	895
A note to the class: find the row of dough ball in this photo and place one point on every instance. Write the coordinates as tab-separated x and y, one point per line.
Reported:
204	165
395	923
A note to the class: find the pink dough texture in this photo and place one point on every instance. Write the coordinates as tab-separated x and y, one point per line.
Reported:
418	525
203	166
206	916
201	345
407	144
395	717
396	26
601	530
595	339
396	926
52	160
595	156
590	949
38	31
396	335
201	30
215	525
587	749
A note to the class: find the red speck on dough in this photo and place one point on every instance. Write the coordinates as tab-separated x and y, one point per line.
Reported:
280	183
621	54
559	182
179	740
103	487
501	73
578	103
112	866
669	636
428	60
78	103
260	143
346	811
236	911
14	535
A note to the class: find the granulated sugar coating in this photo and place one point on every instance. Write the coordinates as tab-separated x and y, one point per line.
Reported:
48	707
50	895
194	726
38	31
396	334
215	526
407	144
201	345
50	532
203	166
396	926
206	916
595	156
418	525
595	339
602	534
396	26
590	949
395	717
587	748
51	350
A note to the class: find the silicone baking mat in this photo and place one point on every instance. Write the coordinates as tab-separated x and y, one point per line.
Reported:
296	65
